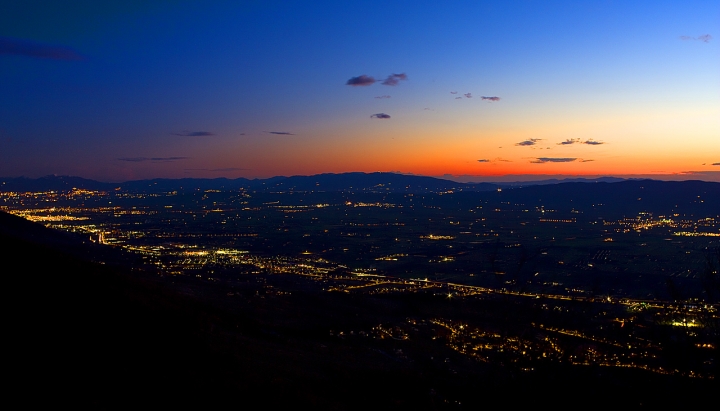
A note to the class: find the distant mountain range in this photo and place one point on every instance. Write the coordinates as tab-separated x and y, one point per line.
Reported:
382	182
563	180
621	196
379	182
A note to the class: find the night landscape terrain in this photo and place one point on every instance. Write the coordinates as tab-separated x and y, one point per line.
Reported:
366	297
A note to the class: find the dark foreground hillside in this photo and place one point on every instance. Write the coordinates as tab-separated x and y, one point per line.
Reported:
105	336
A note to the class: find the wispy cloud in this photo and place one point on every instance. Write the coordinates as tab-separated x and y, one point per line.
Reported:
281	133
585	161
716	164
528	142
194	134
380	115
491	98
453	92
382	97
484	160
589	142
458	98
134	159
394	79
705	38
468	95
38	50
362	80
141	159
541	160
569	141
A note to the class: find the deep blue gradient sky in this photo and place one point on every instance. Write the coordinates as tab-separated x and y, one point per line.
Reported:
120	90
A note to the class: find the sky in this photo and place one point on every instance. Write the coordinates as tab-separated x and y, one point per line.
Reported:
467	90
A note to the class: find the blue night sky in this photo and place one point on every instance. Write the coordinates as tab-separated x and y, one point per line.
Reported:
120	90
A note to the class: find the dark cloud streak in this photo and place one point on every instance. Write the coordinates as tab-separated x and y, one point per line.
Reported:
705	38
362	80
569	141
194	134
394	79
528	142
589	142
380	115
542	160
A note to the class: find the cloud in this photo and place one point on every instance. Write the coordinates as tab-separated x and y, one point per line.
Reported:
380	115
281	133
19	47
492	98
585	161
569	141
428	108
453	92
362	80
458	98
590	142
468	95
484	160
394	79
134	159
542	160
382	97
716	164
141	159
194	134
528	142
705	38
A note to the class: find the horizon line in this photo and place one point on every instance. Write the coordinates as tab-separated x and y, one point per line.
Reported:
464	179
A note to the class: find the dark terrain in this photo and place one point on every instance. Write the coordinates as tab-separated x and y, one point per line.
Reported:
108	336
